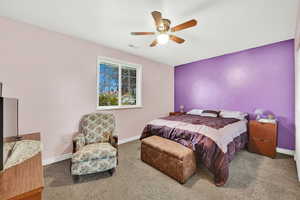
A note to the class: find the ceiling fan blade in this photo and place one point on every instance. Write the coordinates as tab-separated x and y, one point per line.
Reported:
154	43
176	39
157	17
142	33
184	25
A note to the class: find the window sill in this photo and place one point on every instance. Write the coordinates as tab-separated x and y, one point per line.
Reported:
118	107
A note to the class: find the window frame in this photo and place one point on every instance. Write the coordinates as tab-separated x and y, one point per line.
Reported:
121	63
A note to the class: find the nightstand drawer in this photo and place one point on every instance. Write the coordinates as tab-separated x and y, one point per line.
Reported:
262	146
263	130
264	140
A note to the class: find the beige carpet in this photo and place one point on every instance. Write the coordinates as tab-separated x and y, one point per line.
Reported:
251	177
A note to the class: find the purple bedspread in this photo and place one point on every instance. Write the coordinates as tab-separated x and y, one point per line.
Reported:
207	151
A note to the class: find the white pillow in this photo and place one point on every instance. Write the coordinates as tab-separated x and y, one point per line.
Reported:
233	114
195	112
208	115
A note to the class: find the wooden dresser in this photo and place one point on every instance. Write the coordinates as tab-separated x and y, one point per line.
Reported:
24	181
262	138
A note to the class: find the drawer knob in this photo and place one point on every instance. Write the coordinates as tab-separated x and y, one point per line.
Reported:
260	139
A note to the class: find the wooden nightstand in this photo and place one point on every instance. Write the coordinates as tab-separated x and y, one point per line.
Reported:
176	113
262	138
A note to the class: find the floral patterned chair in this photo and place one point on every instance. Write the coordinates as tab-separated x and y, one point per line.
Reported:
95	147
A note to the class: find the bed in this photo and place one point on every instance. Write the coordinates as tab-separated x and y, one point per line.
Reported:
215	140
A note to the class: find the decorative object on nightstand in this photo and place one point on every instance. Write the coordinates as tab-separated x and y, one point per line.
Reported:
259	113
181	108
262	117
263	138
270	116
176	113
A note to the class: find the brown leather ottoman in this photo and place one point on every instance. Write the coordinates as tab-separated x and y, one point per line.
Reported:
173	159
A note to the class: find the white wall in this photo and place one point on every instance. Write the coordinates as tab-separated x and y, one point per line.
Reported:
54	77
297	107
297	93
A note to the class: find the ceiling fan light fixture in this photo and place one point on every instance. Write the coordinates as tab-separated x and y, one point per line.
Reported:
163	28
163	38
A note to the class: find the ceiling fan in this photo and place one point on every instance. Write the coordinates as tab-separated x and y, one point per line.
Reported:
163	30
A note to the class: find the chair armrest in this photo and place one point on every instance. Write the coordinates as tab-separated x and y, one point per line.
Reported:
78	142
113	140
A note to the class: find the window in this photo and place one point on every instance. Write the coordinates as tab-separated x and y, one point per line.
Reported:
118	85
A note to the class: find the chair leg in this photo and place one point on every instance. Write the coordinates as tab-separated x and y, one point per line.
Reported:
71	167
76	178
112	171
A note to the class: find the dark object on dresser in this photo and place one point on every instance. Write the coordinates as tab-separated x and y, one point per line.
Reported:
173	159
8	125
262	138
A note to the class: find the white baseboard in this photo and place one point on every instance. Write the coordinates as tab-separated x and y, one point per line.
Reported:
129	139
285	151
69	155
57	159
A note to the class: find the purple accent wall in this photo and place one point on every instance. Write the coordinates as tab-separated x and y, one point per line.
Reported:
262	77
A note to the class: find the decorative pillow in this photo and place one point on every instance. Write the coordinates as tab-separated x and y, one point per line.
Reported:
195	112
210	113
233	114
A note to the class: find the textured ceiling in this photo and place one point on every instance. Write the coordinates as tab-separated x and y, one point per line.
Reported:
224	26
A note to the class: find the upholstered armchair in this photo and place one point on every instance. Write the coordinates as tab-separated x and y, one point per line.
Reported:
95	146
